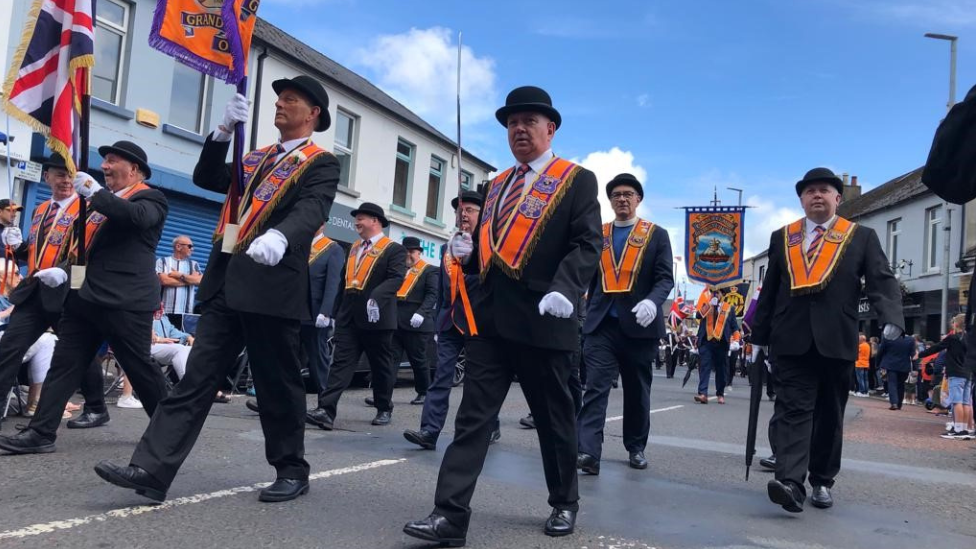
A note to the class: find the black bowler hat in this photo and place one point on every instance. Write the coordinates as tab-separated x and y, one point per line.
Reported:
528	98
820	175
471	197
129	151
310	88
625	179
412	243
368	208
56	161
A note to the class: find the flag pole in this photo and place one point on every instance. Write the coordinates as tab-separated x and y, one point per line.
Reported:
457	219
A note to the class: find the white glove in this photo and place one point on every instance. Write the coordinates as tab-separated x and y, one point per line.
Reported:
646	311
416	320
556	304
891	332
268	248
756	349
13	237
713	302
734	346
236	110
52	277
372	311
460	246
85	185
323	321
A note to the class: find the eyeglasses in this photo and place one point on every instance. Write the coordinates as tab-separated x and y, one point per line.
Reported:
190	246
470	210
625	194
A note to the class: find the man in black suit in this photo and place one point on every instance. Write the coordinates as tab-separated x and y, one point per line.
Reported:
623	325
38	307
715	333
117	299
806	320
536	248
325	277
254	295
367	317
416	300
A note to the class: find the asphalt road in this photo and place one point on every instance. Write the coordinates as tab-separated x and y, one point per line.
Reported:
901	486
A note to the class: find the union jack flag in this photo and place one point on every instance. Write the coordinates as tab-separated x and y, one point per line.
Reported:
679	311
49	72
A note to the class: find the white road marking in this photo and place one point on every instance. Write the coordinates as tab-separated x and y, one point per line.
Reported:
125	512
669	408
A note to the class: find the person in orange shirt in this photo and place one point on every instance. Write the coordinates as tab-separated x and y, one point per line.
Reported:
861	366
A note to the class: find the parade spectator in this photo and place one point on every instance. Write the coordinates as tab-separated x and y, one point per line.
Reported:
960	379
895	358
8	213
862	365
180	277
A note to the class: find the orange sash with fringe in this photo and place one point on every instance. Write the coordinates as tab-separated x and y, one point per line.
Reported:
715	323
811	275
320	244
358	274
620	273
455	276
96	219
410	280
58	241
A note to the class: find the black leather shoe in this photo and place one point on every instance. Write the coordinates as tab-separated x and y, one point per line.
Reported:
284	489
383	418
821	498
419	399
369	401
424	439
528	422
495	436
562	522
437	529
27	441
132	477
319	417
88	420
252	405
588	464
785	494
637	460
769	463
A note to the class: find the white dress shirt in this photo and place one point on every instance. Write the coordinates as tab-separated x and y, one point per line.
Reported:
372	243
535	170
811	230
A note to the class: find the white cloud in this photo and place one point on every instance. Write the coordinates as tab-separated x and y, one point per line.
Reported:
419	69
606	165
762	218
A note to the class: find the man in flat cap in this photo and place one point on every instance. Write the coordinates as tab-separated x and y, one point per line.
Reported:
118	297
416	300
367	317
536	249
288	188
806	320
624	324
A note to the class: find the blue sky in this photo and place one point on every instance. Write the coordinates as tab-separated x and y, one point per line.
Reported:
688	95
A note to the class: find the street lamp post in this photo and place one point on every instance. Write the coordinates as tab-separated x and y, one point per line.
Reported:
945	205
738	191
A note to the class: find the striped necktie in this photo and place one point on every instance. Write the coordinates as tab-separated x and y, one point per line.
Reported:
506	208
818	233
52	212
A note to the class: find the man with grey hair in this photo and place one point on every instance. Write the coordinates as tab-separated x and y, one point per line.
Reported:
180	277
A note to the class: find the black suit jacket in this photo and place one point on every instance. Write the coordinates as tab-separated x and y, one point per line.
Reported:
564	260
325	281
281	290
121	264
421	300
655	279
383	283
790	325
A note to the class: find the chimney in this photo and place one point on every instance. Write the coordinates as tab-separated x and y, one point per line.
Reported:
844	178
853	190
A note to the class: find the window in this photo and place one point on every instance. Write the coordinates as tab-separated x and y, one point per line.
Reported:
434	188
762	273
112	24
894	235
186	99
345	126
466	180
933	224
401	177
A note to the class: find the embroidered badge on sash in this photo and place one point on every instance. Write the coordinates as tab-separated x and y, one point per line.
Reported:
532	207
546	184
265	191
795	239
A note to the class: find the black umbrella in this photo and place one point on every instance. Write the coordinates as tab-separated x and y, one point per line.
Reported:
693	359
756	374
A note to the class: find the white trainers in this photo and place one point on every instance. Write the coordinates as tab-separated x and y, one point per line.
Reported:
128	402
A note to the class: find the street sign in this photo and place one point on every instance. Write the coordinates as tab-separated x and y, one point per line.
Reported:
26	169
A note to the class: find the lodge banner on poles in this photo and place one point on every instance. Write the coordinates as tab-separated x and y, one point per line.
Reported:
713	244
211	36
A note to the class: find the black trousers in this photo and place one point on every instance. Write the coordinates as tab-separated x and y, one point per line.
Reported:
315	344
272	348
544	377
84	327
415	346
607	352
350	343
28	321
809	415
673	362
896	388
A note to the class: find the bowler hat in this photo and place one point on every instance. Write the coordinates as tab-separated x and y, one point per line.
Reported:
412	243
471	197
368	208
528	98
129	151
310	88
56	161
819	175
625	179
